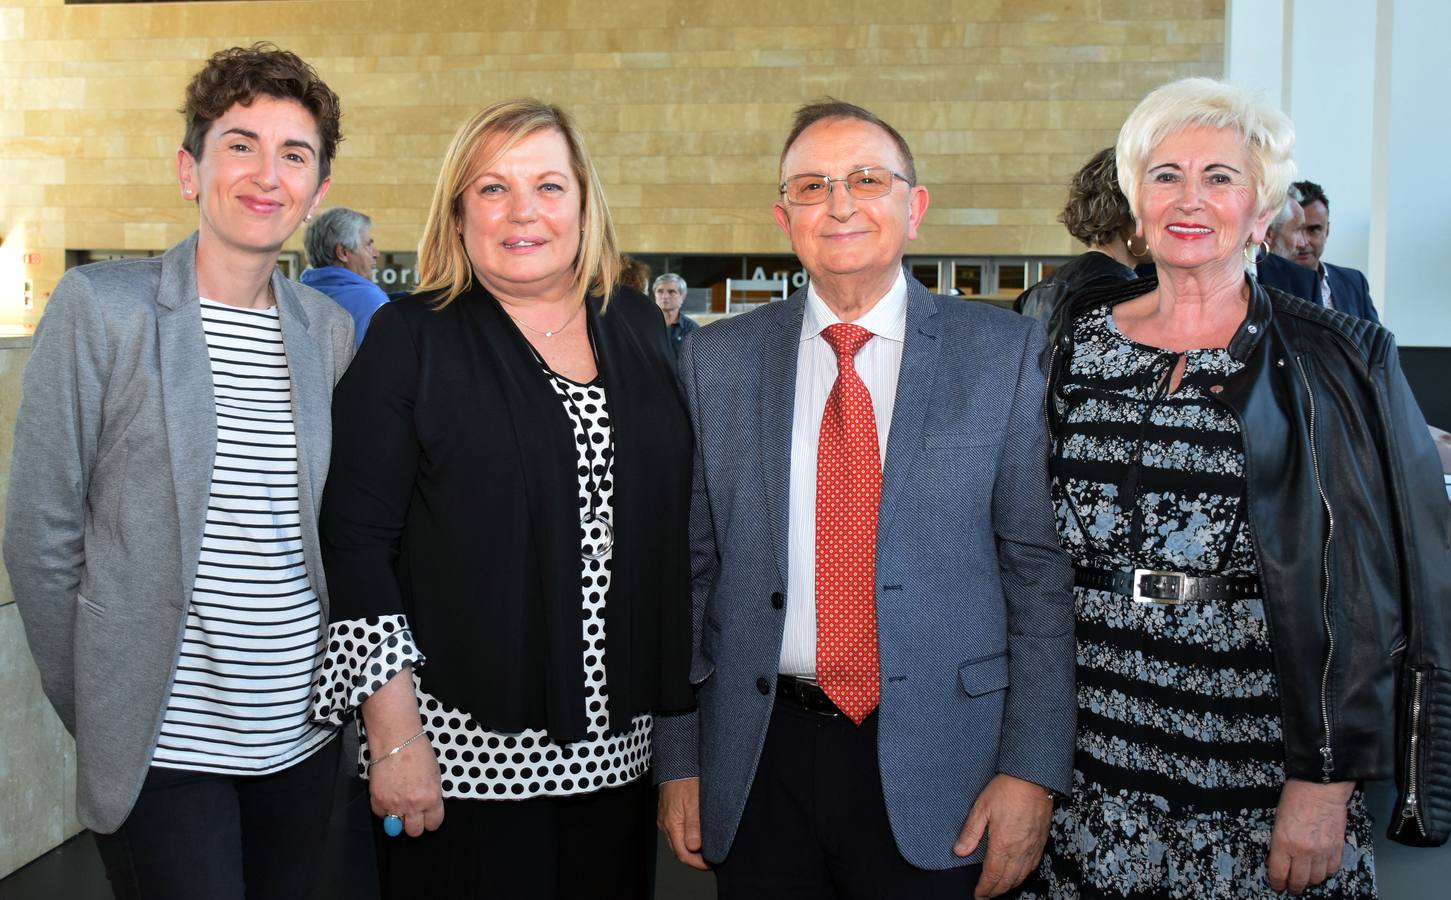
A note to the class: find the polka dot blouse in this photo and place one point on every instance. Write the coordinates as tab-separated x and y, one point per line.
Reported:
363	654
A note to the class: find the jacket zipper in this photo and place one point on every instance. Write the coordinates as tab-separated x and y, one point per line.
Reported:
1327	761
1411	809
1048	397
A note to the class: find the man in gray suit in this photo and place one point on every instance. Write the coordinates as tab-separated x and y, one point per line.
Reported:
883	617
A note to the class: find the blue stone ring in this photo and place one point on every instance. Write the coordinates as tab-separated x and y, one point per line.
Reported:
392	826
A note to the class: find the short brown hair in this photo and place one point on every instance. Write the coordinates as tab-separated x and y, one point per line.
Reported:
634	274
1097	211
831	108
241	75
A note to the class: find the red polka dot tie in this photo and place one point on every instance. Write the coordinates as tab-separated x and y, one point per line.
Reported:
848	492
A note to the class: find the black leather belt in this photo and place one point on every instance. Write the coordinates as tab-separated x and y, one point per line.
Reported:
805	693
1155	586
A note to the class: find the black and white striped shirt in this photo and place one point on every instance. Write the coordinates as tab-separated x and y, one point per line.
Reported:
239	701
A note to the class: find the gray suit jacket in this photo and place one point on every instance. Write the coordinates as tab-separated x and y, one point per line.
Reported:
974	596
114	444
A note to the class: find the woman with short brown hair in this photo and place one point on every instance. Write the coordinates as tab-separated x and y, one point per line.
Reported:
1097	215
170	453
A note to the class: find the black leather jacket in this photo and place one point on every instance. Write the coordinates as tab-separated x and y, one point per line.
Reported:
1353	536
1081	273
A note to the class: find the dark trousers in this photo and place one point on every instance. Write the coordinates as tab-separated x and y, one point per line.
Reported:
815	825
224	837
597	846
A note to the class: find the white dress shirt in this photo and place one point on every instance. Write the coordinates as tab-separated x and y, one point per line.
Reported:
1325	286
878	362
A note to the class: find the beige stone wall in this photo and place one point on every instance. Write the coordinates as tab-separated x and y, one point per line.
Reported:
684	101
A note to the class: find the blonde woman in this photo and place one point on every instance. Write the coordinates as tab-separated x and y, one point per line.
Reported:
504	536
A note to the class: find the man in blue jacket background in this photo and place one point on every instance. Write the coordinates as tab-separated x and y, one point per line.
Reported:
340	249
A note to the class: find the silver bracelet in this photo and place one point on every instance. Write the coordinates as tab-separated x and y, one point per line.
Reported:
397	749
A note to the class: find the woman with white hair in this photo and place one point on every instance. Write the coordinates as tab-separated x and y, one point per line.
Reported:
1246	488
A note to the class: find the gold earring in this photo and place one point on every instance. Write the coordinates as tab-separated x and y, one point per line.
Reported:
1137	245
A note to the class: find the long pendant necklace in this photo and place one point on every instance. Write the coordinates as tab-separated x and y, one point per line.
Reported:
599	534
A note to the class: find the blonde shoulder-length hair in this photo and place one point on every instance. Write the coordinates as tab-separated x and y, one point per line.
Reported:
1207	102
444	267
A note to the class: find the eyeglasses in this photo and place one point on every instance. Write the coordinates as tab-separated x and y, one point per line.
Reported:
866	183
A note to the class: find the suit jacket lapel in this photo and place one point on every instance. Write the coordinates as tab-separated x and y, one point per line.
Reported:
914	390
188	401
777	399
1340	296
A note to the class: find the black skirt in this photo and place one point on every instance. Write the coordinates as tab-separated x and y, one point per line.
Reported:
598	846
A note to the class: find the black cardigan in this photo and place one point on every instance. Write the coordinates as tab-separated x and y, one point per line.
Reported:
453	498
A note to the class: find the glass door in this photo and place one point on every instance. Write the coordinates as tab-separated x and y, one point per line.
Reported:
929	272
969	277
1012	278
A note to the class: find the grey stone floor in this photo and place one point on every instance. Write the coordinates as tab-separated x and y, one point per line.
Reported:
73	872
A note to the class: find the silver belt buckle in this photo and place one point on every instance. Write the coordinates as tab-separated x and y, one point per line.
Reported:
1141	574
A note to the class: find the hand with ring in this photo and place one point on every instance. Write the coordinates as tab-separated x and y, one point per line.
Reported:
392	825
406	792
403	780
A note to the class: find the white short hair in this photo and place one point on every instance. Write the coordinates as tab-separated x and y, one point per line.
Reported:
337	226
668	277
1269	134
1283	217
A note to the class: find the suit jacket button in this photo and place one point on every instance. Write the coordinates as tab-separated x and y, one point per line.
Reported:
777	600
763	685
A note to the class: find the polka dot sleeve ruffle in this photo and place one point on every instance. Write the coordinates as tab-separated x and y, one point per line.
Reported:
362	655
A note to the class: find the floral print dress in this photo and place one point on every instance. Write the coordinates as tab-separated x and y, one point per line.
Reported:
1179	760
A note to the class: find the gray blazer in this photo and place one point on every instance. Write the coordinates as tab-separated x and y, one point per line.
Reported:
974	596
114	444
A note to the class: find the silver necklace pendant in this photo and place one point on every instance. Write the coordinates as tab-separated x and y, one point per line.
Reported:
551	332
599	536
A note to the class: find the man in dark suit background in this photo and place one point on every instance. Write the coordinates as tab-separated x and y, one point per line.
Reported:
1340	287
883	618
1275	269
